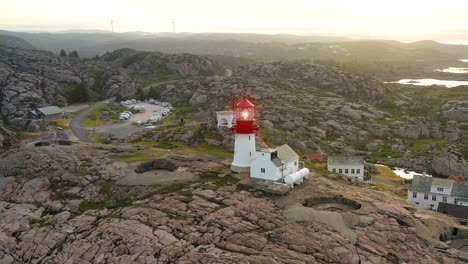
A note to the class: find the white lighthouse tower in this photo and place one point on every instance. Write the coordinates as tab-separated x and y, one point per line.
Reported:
244	131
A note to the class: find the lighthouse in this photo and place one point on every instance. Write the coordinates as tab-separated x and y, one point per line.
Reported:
244	131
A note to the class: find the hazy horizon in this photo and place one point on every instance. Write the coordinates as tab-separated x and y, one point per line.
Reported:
400	20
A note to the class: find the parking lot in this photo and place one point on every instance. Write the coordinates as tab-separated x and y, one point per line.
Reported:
128	127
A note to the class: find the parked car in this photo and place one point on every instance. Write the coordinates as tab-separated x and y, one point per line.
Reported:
139	123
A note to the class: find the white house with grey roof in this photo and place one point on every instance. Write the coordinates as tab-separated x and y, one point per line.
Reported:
428	192
274	164
353	167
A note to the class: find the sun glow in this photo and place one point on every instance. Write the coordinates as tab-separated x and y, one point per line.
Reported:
359	17
395	8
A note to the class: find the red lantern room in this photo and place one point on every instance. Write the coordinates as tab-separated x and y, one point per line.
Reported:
244	113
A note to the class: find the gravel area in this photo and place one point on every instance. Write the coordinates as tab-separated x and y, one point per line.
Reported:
126	128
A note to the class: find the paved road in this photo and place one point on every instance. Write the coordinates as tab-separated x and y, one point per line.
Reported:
80	132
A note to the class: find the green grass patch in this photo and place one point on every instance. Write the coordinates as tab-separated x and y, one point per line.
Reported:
40	222
60	195
173	188
402	194
184	199
161	144
96	118
185	112
159	148
384	153
109	204
213	177
143	155
167	144
112	199
426	144
386	172
205	149
317	166
385	186
80	173
96	137
61	123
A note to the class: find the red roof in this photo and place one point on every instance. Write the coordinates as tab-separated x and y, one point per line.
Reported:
456	178
313	156
244	103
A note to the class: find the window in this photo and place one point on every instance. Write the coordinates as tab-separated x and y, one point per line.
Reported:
340	170
415	195
346	171
358	171
434	198
249	137
262	170
444	199
440	189
334	170
417	203
250	154
455	201
352	171
295	163
426	196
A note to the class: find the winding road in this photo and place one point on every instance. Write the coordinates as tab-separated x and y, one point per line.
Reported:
82	133
75	125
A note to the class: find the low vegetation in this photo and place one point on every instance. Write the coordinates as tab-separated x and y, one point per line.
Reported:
102	114
111	199
157	149
385	172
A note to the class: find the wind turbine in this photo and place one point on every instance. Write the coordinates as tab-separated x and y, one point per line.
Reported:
173	26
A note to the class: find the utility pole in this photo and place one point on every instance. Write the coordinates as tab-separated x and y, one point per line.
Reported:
112	25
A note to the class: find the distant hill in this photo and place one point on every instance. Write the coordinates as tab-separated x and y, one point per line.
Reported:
14	42
257	47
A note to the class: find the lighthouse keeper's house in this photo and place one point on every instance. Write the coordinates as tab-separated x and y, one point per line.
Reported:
274	164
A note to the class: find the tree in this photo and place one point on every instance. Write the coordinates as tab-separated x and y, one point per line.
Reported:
63	53
118	97
154	93
78	94
74	54
140	95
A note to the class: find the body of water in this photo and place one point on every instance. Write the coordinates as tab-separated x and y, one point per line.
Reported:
453	70
429	82
407	174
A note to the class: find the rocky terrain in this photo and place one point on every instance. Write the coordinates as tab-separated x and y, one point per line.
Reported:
62	205
328	109
321	109
31	78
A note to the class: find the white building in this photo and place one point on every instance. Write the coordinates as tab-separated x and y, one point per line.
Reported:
225	118
353	167
274	164
428	192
